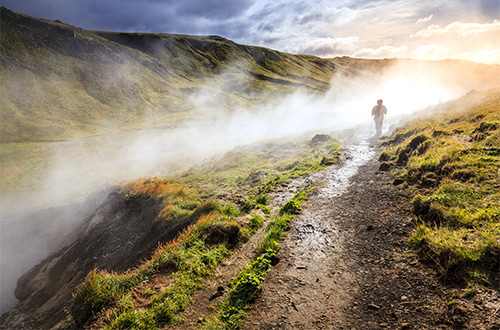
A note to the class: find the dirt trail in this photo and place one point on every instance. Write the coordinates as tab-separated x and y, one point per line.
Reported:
345	263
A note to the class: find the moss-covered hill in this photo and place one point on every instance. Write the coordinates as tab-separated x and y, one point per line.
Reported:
59	81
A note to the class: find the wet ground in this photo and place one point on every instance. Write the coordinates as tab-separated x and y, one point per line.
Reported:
346	264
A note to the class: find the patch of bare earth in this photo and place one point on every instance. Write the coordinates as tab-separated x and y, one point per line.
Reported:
346	264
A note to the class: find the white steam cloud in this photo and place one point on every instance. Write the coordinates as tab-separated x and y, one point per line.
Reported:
82	166
152	152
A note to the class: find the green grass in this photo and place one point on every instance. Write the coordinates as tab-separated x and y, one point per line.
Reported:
248	284
198	262
203	197
189	258
455	174
260	167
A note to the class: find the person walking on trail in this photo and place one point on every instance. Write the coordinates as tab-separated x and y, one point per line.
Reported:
378	113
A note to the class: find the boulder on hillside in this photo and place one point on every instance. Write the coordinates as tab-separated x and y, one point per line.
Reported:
320	138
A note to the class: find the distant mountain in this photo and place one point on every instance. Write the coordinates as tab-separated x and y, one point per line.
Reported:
58	81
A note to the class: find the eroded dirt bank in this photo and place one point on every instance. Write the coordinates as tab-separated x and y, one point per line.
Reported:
120	233
346	264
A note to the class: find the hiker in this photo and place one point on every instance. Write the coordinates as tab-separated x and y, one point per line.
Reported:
378	113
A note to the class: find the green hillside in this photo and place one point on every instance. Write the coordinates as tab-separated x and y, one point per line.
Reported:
449	160
59	80
65	90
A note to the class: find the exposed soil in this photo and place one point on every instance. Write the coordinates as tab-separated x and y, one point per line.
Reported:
346	263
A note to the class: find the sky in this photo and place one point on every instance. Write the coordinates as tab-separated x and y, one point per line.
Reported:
421	29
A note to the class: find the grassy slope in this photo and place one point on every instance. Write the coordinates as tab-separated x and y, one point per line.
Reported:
59	80
135	300
450	160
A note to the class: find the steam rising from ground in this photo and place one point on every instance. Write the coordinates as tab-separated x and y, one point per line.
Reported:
87	165
82	166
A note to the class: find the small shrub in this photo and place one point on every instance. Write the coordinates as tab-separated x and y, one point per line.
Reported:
245	289
290	207
262	199
256	222
264	208
384	156
230	210
249	204
205	208
413	145
329	160
223	232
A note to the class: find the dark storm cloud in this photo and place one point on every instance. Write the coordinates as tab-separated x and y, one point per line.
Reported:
368	28
161	16
212	9
491	8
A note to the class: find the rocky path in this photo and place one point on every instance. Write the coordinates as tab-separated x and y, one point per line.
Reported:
346	264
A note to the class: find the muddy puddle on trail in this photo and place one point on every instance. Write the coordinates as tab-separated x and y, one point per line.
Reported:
337	179
299	290
334	180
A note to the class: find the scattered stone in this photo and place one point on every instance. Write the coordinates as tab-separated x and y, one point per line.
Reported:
384	167
398	181
220	292
256	176
318	138
384	157
373	306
